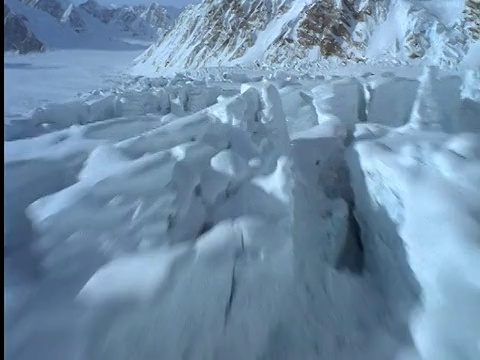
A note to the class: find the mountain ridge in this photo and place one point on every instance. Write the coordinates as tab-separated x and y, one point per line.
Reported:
59	24
296	33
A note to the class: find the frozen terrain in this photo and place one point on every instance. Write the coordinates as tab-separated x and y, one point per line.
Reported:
34	80
239	214
292	180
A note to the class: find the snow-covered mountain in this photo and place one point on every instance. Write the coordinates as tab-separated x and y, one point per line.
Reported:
139	20
301	32
60	10
17	35
60	24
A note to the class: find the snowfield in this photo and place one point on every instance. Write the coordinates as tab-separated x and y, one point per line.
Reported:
237	214
35	80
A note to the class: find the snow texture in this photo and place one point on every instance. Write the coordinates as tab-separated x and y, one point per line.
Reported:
248	215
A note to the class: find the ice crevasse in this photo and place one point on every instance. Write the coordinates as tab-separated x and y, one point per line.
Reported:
417	191
270	228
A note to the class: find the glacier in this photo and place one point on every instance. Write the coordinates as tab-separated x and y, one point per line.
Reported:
205	218
256	208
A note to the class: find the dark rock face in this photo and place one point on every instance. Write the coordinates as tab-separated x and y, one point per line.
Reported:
72	17
472	17
137	19
142	21
17	36
96	10
60	10
52	7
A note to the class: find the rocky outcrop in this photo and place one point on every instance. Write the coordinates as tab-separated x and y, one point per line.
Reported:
17	36
55	8
299	33
138	20
143	21
96	10
325	29
73	17
218	32
60	10
472	17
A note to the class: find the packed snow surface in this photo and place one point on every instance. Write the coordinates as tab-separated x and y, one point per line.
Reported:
230	214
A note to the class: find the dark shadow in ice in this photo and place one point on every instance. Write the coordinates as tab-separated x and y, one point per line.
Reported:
25	182
352	255
42	306
385	256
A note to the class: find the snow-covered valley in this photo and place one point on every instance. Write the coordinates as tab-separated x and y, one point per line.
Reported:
35	80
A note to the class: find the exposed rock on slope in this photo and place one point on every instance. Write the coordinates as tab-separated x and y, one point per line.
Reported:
302	32
17	36
215	31
56	8
60	10
323	29
472	17
138	20
60	24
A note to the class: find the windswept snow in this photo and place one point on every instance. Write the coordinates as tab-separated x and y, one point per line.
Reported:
127	277
234	214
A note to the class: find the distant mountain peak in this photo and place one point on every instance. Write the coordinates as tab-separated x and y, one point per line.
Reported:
60	23
17	36
297	33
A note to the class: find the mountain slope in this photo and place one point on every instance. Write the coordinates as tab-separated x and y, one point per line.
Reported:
138	20
301	32
17	35
50	31
59	24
